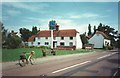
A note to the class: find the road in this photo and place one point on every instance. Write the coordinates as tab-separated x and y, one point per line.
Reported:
92	64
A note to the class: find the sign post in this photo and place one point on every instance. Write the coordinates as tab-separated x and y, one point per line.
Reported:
52	27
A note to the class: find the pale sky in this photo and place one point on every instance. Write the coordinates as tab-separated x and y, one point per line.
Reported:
69	15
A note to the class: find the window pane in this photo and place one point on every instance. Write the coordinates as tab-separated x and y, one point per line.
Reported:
71	43
71	38
62	44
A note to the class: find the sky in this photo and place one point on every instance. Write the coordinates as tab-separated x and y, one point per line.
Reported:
68	15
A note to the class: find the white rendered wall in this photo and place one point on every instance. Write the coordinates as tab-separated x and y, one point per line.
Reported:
97	40
78	41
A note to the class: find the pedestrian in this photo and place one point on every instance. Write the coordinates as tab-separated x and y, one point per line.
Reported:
23	58
30	58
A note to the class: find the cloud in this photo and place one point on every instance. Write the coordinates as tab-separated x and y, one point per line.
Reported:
13	12
27	6
85	15
60	1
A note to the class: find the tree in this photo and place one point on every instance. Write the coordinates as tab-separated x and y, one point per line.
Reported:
34	30
84	39
25	34
94	30
89	30
9	40
13	41
100	27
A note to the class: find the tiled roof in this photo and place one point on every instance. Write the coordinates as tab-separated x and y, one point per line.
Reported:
59	33
31	39
103	34
99	32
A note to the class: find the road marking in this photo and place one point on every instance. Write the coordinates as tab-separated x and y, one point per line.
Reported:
104	56
115	73
71	67
107	55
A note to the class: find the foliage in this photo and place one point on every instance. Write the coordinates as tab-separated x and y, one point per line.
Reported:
108	47
9	40
89	30
44	47
34	30
94	30
13	42
13	54
25	34
84	39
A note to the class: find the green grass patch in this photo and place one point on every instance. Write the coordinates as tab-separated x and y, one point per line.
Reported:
13	54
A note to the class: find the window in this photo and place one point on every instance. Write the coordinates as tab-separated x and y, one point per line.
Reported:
62	38
71	38
38	43
46	43
71	43
62	44
46	37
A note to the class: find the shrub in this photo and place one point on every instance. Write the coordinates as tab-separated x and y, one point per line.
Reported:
108	47
44	47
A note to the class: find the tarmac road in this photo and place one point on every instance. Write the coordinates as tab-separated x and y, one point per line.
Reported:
92	64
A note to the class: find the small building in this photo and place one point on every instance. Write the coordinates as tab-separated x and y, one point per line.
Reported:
62	39
100	40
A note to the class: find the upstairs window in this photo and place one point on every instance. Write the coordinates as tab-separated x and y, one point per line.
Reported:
46	37
71	38
62	38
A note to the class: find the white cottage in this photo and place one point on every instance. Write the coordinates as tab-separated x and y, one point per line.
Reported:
99	39
62	39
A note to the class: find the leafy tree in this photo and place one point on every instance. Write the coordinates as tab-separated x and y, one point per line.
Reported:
34	30
9	40
94	30
13	41
84	39
25	34
100	27
89	30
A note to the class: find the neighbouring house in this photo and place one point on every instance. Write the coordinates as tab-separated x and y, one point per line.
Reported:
100	40
62	39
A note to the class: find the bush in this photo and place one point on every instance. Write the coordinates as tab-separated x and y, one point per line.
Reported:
44	47
108	47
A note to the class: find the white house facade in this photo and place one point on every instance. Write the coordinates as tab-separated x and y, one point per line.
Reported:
99	39
62	39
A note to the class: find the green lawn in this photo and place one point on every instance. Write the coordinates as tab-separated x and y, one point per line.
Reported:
13	54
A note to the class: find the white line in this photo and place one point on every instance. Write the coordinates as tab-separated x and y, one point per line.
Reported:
106	55
115	73
103	56
71	66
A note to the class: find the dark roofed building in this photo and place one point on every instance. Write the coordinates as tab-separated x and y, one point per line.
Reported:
62	39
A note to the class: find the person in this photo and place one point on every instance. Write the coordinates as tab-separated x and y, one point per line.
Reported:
23	58
30	58
53	51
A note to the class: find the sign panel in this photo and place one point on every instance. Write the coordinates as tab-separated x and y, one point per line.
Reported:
52	25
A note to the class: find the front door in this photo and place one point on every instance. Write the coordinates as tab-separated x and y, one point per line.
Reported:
54	44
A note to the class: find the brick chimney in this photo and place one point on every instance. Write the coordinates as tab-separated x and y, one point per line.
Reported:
57	27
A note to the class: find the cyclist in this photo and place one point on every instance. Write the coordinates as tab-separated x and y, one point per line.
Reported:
30	58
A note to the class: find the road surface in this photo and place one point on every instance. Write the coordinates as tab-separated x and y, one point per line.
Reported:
104	63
